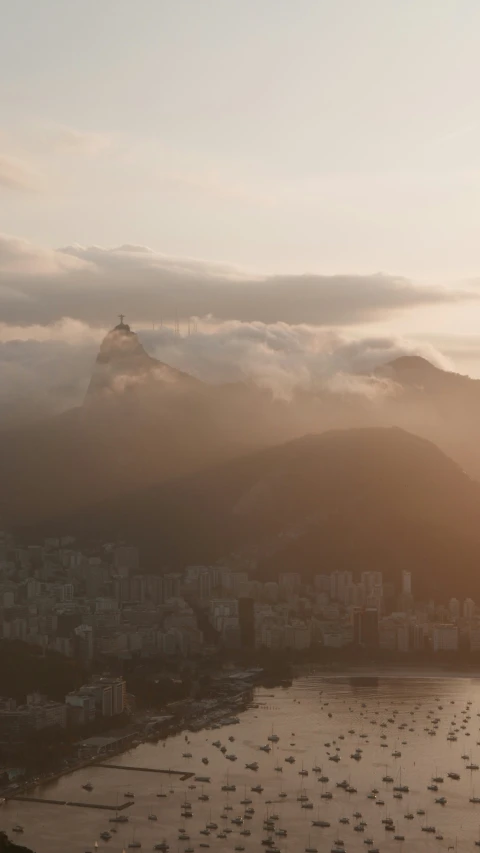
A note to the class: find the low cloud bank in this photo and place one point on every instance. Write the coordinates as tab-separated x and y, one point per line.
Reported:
46	369
42	285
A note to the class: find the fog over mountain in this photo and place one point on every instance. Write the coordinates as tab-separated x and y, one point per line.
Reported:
46	369
142	420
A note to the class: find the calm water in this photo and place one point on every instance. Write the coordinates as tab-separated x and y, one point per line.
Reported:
303	710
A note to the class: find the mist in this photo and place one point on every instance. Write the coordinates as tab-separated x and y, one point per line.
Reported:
45	370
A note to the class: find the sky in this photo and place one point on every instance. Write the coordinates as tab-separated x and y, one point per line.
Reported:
311	162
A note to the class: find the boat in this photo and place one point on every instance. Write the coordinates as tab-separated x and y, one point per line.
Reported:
121	818
453	775
441	801
323	823
186	754
258	789
17	828
130	795
152	817
88	787
290	759
428	829
202	778
266	747
205	760
252	766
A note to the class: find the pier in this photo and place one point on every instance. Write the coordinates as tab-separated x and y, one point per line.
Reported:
83	805
184	775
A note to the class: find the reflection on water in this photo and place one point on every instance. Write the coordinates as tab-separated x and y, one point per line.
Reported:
315	720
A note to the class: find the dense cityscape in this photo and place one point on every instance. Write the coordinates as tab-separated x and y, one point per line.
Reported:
101	610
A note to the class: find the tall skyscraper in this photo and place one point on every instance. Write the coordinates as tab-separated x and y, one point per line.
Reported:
406	583
365	627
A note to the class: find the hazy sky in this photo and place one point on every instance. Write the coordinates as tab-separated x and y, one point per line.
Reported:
277	137
319	135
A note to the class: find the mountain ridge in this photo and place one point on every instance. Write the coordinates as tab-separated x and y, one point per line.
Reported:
364	499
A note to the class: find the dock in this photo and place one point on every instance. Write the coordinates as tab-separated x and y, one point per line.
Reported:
184	774
83	805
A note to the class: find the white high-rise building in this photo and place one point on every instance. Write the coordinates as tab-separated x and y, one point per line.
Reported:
469	609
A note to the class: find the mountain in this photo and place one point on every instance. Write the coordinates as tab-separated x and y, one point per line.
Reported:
367	499
438	404
123	365
142	422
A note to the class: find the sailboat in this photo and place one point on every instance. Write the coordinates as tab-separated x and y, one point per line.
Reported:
273	738
133	843
309	848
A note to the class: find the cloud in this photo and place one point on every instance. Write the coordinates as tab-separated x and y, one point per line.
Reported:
17	175
283	358
22	264
78	141
93	284
46	369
